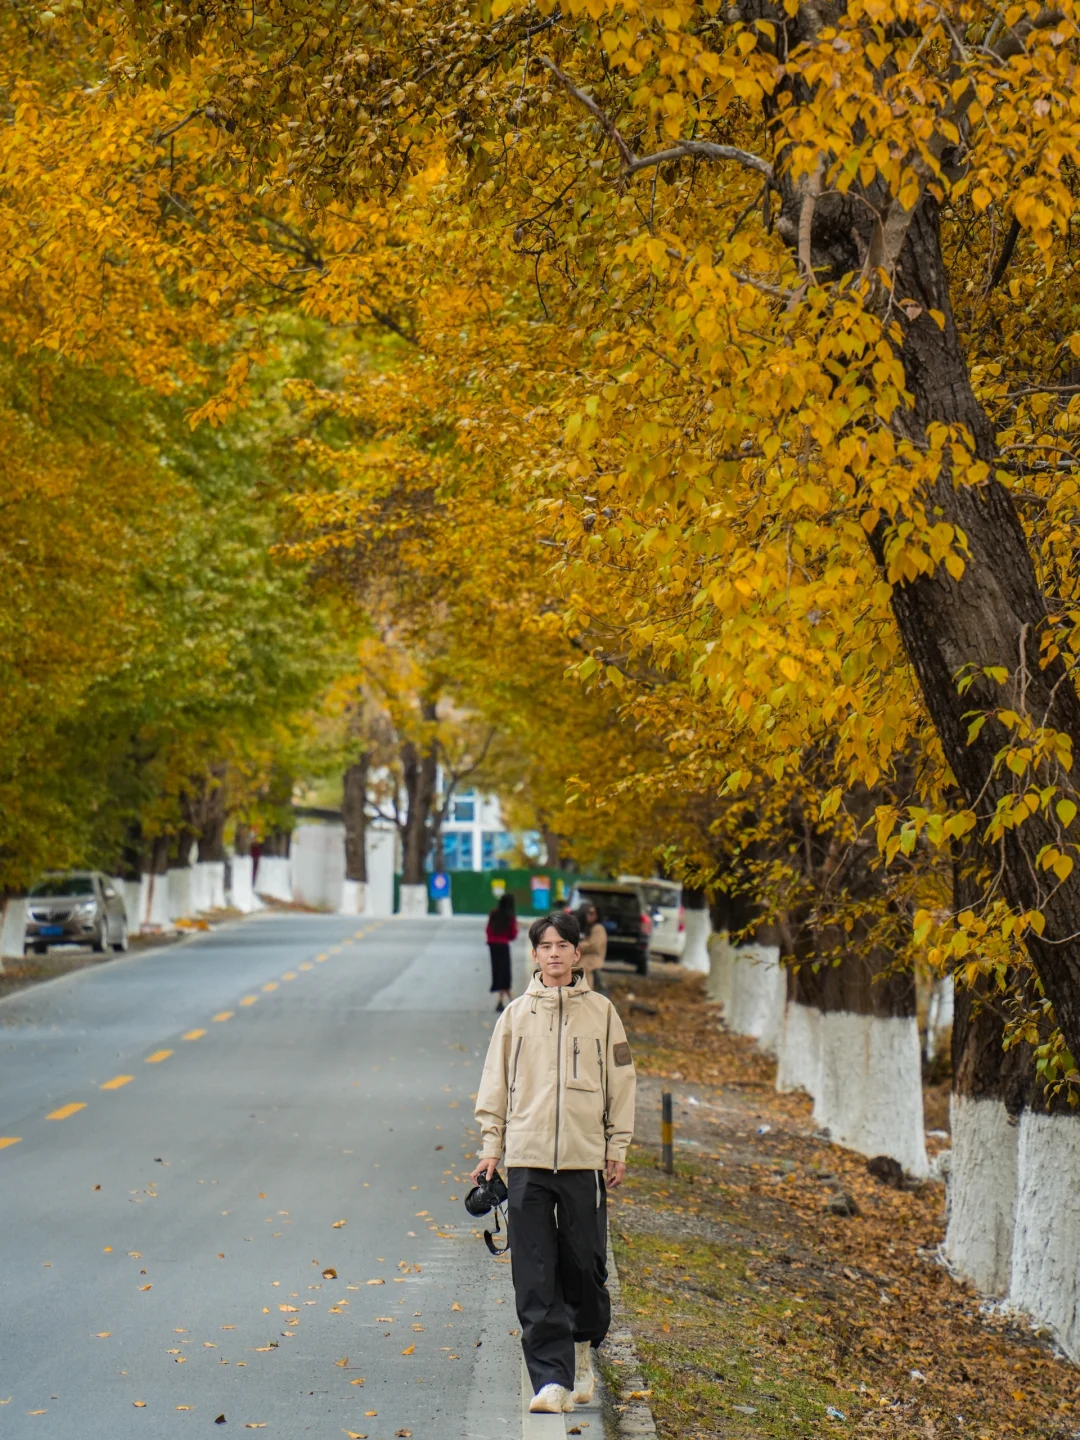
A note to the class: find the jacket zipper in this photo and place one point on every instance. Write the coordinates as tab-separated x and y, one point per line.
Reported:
558	1086
513	1075
600	1060
575	1057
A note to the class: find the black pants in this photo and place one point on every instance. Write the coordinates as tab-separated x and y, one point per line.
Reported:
558	1250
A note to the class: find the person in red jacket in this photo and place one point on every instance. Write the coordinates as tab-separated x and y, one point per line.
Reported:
501	930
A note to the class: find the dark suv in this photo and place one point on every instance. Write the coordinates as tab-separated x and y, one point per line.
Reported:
82	907
623	914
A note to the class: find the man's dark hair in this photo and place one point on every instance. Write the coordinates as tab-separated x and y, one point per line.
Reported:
562	922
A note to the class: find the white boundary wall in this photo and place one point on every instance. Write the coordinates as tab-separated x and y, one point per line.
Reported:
317	859
1045	1278
695	954
870	1095
156	905
982	1193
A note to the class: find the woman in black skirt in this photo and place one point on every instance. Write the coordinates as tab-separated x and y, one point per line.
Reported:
501	930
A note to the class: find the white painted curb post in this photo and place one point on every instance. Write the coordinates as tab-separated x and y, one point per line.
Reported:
243	891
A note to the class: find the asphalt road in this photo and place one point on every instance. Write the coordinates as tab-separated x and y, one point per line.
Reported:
192	1142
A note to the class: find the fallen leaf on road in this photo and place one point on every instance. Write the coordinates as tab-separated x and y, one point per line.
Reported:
455	1306
338	1224
7	1401
228	1327
354	1435
209	1345
35	1412
290	1308
409	1350
329	1273
256	1424
386	1319
183	1407
180	1360
405	1433
369	1413
376	1282
336	1310
342	1363
418	1327
102	1334
220	1420
640	1394
356	1382
139	1404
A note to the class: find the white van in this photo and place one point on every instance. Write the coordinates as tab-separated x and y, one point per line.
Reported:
664	901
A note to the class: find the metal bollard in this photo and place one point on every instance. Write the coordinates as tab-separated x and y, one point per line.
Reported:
667	1132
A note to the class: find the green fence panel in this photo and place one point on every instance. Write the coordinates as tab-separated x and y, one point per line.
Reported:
475	892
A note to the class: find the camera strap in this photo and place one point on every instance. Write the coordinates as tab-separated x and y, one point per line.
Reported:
489	1240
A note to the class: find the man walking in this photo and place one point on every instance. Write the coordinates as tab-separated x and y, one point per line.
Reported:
557	1100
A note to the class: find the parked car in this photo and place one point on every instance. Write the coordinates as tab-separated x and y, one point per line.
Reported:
624	915
664	899
81	907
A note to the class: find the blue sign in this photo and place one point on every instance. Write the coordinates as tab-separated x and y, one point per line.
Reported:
439	885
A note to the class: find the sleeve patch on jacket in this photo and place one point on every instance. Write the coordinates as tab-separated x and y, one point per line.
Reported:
621	1054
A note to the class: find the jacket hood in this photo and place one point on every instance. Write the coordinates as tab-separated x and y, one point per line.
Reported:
578	987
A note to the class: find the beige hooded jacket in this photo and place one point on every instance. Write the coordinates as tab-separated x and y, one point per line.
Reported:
558	1087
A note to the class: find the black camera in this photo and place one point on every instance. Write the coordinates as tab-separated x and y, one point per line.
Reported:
486	1196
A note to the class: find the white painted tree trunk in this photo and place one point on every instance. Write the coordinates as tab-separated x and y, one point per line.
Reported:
414	900
939	1017
1045	1277
13	930
698	929
799	1051
758	993
353	898
134	893
273	878
208	885
721	970
242	891
444	906
870	1093
982	1192
181	900
158	915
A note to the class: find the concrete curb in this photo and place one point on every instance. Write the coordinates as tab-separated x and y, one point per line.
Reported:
628	1415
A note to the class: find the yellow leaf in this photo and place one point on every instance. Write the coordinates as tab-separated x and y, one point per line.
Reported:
356	1382
376	1282
342	1363
103	1334
409	1350
455	1306
139	1404
339	1223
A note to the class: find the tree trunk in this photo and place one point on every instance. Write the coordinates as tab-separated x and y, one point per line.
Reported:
995	615
420	768
354	814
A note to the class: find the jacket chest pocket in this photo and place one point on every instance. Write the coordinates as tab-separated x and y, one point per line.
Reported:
585	1063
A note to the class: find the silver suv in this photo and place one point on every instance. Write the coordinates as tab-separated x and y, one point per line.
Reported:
81	907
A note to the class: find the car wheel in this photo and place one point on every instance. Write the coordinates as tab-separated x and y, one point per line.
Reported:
122	944
643	965
101	939
40	948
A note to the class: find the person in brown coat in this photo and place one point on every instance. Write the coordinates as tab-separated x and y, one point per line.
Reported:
593	945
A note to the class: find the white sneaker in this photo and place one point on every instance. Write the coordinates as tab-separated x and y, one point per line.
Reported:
584	1375
551	1400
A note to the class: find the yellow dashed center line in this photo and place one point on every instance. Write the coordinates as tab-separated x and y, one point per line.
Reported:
194	1034
306	965
270	985
335	950
66	1110
225	1015
250	1000
320	958
157	1057
359	934
117	1081
6	1140
289	975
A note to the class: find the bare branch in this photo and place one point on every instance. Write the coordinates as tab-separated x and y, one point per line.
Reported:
702	149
